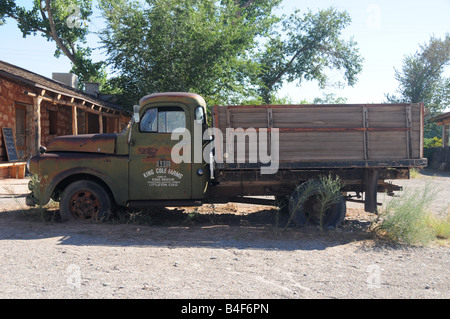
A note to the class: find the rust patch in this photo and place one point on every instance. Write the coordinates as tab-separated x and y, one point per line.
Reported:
150	151
96	143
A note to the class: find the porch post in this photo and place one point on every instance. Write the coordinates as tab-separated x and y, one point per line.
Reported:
100	123
36	128
74	121
445	129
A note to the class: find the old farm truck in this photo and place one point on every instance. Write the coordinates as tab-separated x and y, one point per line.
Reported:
168	156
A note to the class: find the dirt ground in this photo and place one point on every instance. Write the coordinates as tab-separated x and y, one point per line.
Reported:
225	251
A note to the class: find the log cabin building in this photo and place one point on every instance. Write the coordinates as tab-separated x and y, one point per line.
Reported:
35	109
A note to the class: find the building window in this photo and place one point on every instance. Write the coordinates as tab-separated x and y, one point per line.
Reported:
53	122
93	125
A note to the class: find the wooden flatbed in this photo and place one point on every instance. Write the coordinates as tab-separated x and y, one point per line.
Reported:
363	144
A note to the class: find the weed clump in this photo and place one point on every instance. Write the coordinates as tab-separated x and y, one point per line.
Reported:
408	220
318	202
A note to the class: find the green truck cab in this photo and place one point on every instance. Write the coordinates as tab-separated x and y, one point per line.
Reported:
88	174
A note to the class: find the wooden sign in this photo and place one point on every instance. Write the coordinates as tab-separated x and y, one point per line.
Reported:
10	144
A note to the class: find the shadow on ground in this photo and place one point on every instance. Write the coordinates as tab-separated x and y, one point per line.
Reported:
261	228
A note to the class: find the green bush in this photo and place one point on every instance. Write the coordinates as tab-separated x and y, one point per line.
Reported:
440	226
407	220
432	142
326	191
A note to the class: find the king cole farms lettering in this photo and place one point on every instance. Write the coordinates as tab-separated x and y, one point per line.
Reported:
171	177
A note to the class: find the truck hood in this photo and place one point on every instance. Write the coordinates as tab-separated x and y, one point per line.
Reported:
92	143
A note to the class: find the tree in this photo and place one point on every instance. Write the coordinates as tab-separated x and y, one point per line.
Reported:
65	23
184	45
330	98
308	47
421	79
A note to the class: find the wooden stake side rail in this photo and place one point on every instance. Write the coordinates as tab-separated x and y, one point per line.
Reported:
328	133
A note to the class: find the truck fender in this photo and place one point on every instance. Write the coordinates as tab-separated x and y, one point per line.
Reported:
64	179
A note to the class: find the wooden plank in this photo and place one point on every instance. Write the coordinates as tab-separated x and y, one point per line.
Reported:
228	118
366	133
408	133
316	157
388	124
11	164
321	147
317	109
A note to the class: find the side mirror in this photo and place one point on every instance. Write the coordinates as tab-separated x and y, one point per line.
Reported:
136	113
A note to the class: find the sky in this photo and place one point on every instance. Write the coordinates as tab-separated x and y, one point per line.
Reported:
385	30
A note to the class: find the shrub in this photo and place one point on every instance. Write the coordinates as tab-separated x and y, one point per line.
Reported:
324	193
432	142
406	219
440	226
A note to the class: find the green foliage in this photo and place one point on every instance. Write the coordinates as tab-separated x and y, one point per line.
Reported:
430	145
407	220
191	45
66	23
229	51
440	226
432	142
422	80
326	192
308	46
330	98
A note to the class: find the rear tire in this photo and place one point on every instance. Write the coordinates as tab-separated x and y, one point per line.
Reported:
85	200
304	207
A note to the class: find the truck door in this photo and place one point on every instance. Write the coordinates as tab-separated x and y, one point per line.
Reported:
153	175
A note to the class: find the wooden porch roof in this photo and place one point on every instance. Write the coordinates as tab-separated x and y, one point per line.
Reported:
443	119
57	92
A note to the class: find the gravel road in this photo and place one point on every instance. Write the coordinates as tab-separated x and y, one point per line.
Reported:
238	255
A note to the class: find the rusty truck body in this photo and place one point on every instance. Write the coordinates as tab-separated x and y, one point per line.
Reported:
168	156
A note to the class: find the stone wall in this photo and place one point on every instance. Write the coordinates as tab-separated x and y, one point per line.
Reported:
11	94
61	122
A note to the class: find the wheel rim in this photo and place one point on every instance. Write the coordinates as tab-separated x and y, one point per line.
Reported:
84	204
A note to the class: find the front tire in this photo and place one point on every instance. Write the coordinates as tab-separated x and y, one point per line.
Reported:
84	200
